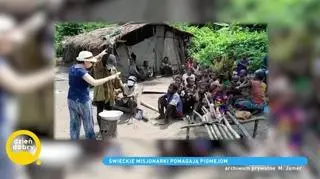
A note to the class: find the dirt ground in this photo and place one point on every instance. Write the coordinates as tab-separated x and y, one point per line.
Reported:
138	130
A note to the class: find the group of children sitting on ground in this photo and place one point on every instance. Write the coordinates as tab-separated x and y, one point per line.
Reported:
198	85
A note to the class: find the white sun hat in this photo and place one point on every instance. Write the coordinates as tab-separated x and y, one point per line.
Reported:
86	56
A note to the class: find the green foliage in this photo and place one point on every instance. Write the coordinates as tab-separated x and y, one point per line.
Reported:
228	42
70	29
291	22
281	13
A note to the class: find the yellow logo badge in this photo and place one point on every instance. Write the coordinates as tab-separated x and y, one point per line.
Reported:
23	147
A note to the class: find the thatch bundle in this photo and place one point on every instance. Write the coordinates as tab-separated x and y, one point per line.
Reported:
93	41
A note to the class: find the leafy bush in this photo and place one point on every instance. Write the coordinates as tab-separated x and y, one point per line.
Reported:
228	42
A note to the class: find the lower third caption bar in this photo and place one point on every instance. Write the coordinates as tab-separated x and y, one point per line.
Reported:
205	161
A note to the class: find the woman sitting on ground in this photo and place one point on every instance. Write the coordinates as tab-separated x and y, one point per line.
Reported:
256	102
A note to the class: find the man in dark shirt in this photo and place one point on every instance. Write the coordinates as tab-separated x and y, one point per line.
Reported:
104	97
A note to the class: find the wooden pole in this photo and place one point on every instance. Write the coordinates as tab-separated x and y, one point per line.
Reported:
223	133
211	128
211	106
227	131
243	130
235	134
206	126
215	128
208	117
149	106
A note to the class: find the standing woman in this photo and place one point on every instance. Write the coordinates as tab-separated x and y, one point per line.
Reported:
79	102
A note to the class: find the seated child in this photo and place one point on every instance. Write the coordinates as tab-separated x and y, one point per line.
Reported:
200	97
187	75
242	65
220	99
205	76
188	95
213	87
170	105
178	81
243	76
235	81
244	81
213	77
232	92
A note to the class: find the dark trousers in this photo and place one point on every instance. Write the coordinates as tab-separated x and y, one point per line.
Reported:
188	104
101	105
130	104
166	110
166	71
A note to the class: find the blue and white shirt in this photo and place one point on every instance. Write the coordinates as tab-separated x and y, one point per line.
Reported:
175	100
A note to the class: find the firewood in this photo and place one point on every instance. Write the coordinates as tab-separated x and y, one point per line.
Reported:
216	130
149	106
211	106
234	133
223	133
227	131
243	130
206	126
211	128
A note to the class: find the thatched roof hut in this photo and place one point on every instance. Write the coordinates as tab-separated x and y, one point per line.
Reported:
149	42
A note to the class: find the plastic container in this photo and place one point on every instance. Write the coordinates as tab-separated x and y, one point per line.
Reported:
112	115
109	123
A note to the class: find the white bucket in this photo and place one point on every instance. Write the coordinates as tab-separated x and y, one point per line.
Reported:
109	123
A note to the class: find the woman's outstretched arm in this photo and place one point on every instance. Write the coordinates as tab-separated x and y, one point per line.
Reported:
96	82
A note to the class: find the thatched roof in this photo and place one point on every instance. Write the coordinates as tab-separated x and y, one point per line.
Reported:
94	38
111	35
